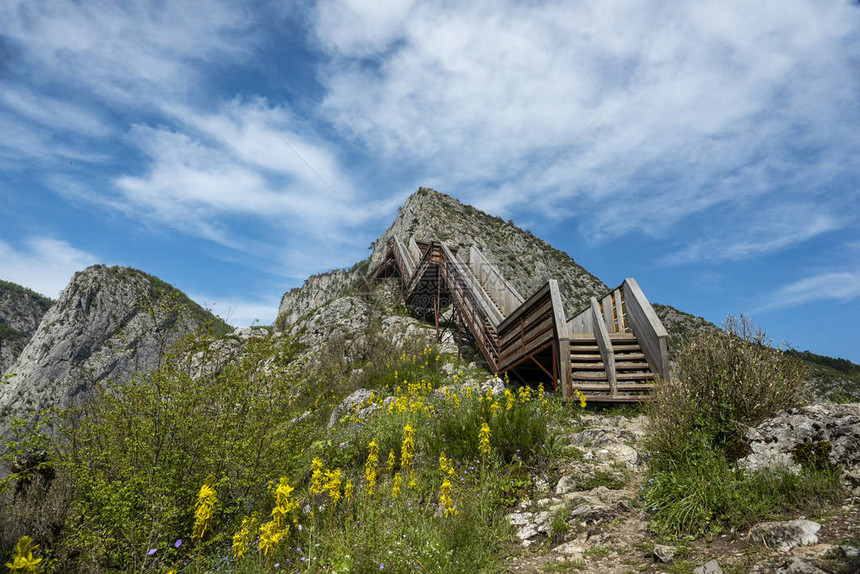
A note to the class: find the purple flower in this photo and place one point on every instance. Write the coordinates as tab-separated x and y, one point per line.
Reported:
278	565
152	551
178	543
382	566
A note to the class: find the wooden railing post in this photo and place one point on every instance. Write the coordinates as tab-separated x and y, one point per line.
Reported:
605	346
563	336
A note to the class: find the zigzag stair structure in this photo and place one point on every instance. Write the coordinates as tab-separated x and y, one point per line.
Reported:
613	351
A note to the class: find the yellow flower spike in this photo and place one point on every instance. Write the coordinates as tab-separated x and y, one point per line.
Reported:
446	465
412	482
509	400
316	476
407	450
204	509
494	408
395	489
445	500
243	537
332	485
347	492
22	557
370	466
484	439
391	461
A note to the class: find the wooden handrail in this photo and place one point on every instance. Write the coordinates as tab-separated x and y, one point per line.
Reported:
647	328
500	291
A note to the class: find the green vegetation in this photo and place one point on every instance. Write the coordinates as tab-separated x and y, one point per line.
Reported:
44	303
423	481
726	382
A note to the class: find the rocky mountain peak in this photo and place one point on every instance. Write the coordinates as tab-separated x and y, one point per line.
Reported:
525	260
109	323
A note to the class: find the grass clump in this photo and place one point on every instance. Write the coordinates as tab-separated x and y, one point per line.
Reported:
726	382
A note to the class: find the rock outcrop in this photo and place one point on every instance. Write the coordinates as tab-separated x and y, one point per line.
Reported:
109	323
523	259
21	310
817	434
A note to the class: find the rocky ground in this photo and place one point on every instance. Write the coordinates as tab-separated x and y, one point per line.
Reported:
588	517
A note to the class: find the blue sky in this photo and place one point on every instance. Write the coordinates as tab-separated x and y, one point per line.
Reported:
234	150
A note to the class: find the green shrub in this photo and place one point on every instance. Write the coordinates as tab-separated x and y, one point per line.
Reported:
725	382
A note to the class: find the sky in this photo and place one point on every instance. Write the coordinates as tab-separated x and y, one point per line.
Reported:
711	150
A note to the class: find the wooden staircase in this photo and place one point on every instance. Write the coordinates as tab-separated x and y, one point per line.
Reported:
612	351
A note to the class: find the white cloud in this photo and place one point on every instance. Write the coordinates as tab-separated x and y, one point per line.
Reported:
43	264
840	286
211	168
704	105
131	52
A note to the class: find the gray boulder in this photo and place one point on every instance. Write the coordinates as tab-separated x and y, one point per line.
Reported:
784	536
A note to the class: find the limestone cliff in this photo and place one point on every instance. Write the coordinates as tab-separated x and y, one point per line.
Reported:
109	323
21	310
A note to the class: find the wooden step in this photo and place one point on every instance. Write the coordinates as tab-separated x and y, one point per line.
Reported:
617	398
590	349
629	356
626	348
588	367
633	365
634	376
585	357
578	376
623	339
627	387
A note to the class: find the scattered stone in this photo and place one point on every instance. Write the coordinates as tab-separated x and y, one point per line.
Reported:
799	566
784	536
711	567
350	405
813	550
566	484
664	553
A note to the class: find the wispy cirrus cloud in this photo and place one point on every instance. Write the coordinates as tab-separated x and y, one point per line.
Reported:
841	286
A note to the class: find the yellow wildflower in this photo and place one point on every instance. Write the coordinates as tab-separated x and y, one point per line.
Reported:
509	400
284	503
494	408
445	500
270	537
332	485
541	394
370	466
22	557
446	465
347	492
407	451
242	538
316	476
395	489
525	394
391	461
484	438
204	508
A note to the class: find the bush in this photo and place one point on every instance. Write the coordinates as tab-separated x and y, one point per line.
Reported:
725	383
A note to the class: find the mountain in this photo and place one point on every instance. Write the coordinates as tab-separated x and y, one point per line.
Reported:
109	323
21	310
